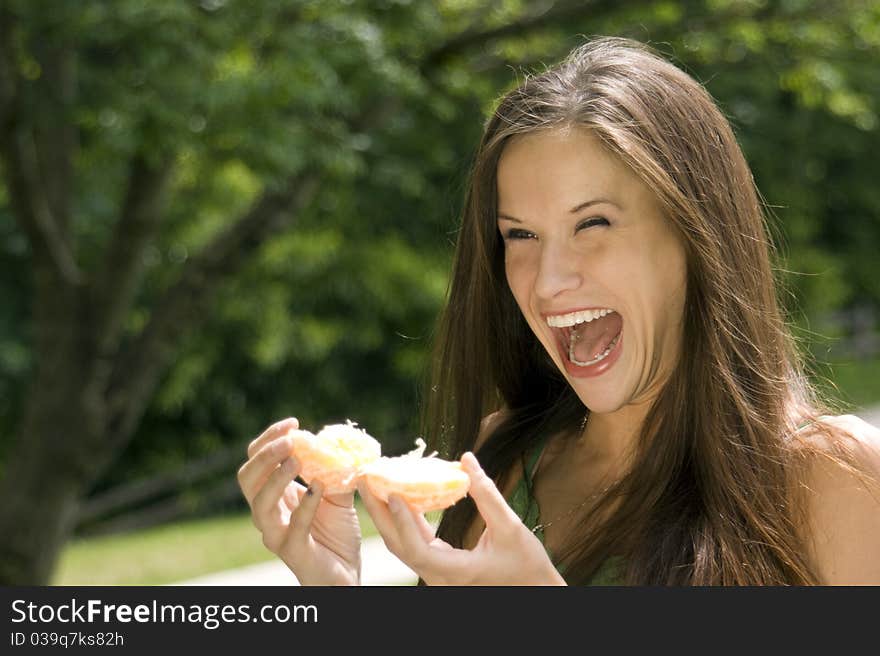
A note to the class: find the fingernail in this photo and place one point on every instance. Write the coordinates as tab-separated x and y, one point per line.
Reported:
289	465
470	460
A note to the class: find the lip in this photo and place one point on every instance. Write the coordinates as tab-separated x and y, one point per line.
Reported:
592	370
559	313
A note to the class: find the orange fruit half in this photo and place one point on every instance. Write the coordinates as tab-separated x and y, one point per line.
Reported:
425	483
335	455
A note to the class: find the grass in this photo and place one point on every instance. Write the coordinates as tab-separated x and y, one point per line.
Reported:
169	553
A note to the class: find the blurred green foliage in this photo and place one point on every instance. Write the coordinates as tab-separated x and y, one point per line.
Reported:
332	319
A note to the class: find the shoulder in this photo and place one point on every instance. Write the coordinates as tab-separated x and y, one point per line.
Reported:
487	425
842	482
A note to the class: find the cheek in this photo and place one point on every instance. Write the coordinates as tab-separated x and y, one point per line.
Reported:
668	281
520	274
673	278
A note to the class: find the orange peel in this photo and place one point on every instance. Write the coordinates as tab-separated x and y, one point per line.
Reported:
335	455
425	483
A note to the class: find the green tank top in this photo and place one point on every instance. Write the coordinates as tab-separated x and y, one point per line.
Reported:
525	505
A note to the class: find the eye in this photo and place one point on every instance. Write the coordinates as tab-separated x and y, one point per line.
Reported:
592	221
517	233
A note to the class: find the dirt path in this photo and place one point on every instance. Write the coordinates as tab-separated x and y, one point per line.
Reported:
380	567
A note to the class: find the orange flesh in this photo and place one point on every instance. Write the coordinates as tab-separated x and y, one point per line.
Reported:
424	483
334	456
340	453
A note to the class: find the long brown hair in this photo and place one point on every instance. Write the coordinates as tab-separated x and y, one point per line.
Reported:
711	496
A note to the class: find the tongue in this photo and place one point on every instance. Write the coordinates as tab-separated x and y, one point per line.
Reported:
592	338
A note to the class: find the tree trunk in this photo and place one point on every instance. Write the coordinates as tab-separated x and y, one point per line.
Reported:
34	489
56	453
86	397
84	404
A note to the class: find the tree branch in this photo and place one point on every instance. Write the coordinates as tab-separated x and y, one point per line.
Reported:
8	78
28	194
118	279
31	208
55	134
136	373
134	493
539	15
137	370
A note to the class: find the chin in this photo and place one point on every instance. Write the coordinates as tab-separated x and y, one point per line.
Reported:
600	403
602	394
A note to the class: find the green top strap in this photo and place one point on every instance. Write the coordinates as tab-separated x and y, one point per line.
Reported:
524	504
521	499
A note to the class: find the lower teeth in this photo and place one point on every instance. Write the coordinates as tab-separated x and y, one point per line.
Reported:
598	358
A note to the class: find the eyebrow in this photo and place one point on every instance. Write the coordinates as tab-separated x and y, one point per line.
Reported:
573	210
590	203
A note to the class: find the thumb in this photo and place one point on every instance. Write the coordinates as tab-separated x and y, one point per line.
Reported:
491	504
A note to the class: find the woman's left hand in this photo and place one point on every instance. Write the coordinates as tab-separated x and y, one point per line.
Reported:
507	552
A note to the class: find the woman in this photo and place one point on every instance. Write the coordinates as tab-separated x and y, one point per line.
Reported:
613	316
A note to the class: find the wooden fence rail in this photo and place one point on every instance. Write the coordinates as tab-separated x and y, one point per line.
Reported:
132	497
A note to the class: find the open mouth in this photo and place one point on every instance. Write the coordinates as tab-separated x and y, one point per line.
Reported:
587	337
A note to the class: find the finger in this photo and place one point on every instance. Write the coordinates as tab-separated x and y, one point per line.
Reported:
424	525
491	504
386	524
299	531
253	474
265	505
277	429
431	558
292	494
380	514
343	499
426	530
410	535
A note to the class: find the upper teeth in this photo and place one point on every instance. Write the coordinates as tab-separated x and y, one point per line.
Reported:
574	318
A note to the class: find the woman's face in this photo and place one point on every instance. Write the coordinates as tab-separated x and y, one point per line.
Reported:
596	269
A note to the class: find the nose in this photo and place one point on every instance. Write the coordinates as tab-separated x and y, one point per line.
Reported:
559	270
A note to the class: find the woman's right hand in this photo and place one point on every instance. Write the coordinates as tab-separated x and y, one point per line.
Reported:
318	537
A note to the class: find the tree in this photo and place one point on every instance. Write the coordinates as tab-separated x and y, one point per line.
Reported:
204	204
109	111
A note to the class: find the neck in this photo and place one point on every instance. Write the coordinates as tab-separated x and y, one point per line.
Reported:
612	437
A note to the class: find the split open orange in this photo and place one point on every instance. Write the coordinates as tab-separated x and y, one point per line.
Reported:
335	455
341	453
425	483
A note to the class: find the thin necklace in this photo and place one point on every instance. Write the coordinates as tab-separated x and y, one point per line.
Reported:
541	527
573	509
